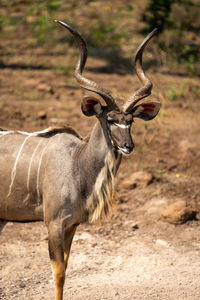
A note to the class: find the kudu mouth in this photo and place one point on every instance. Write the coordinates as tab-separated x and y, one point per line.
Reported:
124	146
126	150
127	147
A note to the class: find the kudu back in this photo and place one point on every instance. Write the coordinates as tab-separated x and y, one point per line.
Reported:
56	176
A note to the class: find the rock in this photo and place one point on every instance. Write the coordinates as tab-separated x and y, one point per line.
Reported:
42	115
43	87
186	145
128	184
31	19
135	227
191	36
54	120
57	96
141	178
162	243
178	213
22	285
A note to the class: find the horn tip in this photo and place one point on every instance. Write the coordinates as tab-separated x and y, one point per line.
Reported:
60	22
155	30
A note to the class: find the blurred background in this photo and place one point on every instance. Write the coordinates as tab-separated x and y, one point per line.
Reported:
38	89
112	26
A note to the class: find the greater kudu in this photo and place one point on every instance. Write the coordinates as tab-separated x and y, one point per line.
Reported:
56	176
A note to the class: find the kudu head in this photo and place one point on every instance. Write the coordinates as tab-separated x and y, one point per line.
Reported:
115	122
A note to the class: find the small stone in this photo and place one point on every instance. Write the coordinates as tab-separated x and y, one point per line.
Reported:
162	243
54	120
31	19
22	285
141	178
42	115
135	227
171	166
178	213
57	96
43	87
127	184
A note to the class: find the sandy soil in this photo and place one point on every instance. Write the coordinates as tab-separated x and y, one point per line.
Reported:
127	264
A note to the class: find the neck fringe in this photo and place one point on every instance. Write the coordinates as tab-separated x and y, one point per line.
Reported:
101	201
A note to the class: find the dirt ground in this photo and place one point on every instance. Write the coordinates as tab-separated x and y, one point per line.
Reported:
134	254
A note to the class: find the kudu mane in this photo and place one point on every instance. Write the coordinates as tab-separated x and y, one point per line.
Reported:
48	132
101	201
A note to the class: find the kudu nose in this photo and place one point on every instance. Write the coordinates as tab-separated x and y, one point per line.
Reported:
129	147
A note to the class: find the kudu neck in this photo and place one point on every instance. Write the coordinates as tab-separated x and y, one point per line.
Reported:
99	144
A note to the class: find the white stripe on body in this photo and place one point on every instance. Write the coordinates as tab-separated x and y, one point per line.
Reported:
36	133
38	171
13	173
5	132
30	165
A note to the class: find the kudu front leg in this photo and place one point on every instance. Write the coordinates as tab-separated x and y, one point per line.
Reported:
59	250
56	253
68	237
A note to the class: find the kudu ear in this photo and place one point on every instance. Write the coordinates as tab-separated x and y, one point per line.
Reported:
146	111
91	106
